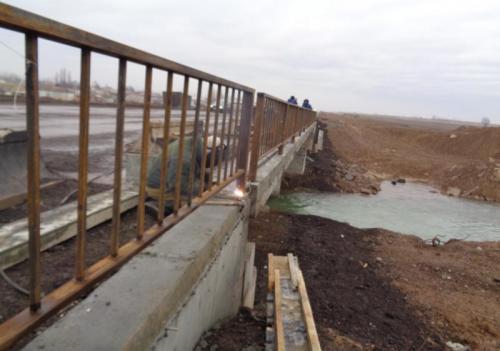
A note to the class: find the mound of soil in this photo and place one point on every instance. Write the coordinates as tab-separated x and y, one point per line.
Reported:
326	172
458	159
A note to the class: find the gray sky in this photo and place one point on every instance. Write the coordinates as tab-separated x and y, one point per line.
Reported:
420	58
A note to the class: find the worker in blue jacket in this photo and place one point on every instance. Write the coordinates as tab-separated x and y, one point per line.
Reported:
306	104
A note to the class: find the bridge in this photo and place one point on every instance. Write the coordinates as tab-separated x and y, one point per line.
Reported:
190	269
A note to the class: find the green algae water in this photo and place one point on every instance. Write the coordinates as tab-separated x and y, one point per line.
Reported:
409	208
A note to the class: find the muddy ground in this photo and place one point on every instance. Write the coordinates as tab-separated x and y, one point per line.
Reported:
376	290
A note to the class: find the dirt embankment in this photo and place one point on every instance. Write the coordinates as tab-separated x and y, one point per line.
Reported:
327	172
458	159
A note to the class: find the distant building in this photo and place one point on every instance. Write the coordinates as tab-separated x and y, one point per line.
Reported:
177	99
57	95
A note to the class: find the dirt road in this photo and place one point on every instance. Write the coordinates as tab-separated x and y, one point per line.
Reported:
461	160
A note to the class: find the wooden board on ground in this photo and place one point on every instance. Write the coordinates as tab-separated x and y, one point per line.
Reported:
289	309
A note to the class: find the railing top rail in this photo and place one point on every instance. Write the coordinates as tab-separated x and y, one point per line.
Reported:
267	96
20	20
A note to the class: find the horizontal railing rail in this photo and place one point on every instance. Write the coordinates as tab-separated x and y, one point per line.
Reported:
220	163
275	123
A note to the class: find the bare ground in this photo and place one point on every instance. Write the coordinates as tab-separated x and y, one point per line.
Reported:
460	159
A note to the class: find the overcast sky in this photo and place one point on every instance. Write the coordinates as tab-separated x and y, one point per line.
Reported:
417	58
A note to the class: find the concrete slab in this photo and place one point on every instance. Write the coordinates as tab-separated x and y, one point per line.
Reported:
58	225
130	309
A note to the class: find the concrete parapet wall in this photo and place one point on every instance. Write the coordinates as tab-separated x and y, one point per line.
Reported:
167	295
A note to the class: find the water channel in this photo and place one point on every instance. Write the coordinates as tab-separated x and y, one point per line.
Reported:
409	208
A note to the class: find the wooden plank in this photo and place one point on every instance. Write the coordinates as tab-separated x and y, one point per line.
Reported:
281	263
292	264
249	298
278	318
24	21
248	275
312	334
270	272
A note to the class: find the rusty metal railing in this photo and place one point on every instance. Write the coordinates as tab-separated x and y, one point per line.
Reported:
276	122
232	127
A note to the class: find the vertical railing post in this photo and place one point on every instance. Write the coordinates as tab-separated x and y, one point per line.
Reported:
293	123
166	142
230	136
222	135
144	152
236	126
205	140
243	144
194	144
283	131
180	155
33	158
120	120
256	137
83	150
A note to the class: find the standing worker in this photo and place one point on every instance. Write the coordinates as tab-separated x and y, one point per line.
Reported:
306	104
292	100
